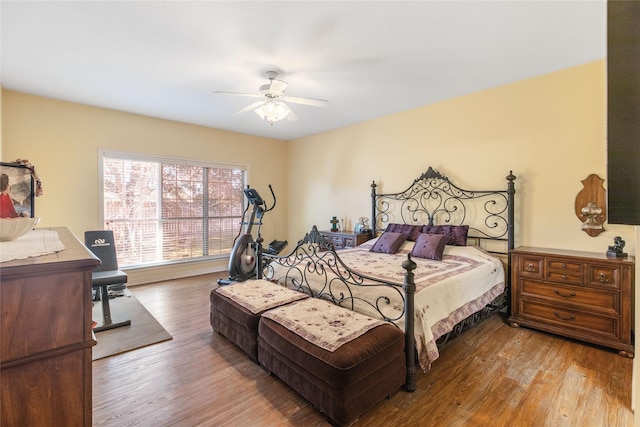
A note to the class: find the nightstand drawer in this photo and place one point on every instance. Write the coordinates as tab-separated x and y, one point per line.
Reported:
576	296
569	319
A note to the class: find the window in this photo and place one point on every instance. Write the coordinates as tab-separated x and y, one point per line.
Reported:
166	210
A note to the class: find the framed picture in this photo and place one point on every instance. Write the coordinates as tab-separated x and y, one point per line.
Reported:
16	191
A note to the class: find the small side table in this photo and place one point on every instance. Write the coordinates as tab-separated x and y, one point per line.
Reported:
344	240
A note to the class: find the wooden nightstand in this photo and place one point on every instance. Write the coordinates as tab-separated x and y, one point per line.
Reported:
341	240
581	295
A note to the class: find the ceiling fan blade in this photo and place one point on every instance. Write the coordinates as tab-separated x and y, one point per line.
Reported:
249	95
249	107
292	116
307	101
277	86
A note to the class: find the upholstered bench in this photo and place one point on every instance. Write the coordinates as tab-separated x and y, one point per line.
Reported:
341	374
236	309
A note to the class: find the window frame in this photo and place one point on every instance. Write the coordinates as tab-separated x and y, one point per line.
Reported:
133	156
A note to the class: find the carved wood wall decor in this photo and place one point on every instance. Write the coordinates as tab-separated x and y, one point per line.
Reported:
591	199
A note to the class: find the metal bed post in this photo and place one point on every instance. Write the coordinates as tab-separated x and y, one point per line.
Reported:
511	191
374	224
409	287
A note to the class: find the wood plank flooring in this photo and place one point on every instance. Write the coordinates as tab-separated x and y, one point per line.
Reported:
494	375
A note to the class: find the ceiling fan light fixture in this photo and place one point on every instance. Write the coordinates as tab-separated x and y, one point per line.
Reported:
272	111
272	108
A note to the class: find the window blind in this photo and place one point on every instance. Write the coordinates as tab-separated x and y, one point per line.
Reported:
165	210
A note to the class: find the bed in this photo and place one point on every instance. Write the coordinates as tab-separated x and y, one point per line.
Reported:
405	283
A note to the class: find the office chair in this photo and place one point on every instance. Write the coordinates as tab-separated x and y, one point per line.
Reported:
102	244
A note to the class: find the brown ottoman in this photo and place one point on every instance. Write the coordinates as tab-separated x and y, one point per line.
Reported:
236	309
343	383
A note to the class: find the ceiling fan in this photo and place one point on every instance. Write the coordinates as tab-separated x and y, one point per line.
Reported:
272	107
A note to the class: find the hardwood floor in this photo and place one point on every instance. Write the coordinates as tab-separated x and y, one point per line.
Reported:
494	375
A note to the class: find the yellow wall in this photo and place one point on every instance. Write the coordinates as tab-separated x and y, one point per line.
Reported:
550	130
62	140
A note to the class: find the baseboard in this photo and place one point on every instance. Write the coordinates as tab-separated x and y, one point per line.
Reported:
144	275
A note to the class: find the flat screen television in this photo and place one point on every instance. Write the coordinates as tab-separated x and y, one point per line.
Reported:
623	112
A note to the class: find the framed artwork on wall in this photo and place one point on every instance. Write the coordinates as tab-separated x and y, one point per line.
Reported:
16	191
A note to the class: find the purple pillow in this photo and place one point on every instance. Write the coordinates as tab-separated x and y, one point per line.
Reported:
411	231
430	246
457	233
389	242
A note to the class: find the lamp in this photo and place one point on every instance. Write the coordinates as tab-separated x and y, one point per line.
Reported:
592	212
272	111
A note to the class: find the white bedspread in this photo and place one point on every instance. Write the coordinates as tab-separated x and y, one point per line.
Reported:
447	291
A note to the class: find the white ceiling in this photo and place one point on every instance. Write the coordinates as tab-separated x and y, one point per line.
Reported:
368	58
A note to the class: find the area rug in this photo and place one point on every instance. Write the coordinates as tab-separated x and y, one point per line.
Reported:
143	331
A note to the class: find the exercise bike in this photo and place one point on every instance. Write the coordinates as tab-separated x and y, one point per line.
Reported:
242	262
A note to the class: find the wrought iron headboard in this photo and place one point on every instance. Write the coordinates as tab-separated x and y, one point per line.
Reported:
432	199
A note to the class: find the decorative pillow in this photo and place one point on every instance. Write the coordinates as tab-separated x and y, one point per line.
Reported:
457	233
409	230
389	242
430	246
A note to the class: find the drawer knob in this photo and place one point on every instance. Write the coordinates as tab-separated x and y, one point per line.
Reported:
531	268
602	278
559	316
569	295
564	265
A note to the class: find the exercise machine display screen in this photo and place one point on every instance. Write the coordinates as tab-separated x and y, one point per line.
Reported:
253	196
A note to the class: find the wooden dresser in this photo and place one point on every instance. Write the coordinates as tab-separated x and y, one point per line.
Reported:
581	295
46	338
341	240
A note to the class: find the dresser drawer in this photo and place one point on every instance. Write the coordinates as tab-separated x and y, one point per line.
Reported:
336	241
530	266
568	319
598	275
349	242
341	240
567	267
564	278
576	296
563	271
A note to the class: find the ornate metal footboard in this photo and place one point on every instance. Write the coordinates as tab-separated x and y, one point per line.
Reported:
313	267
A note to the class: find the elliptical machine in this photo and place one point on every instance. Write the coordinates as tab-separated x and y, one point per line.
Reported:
242	262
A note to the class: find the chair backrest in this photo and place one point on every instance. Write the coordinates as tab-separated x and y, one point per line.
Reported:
102	244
